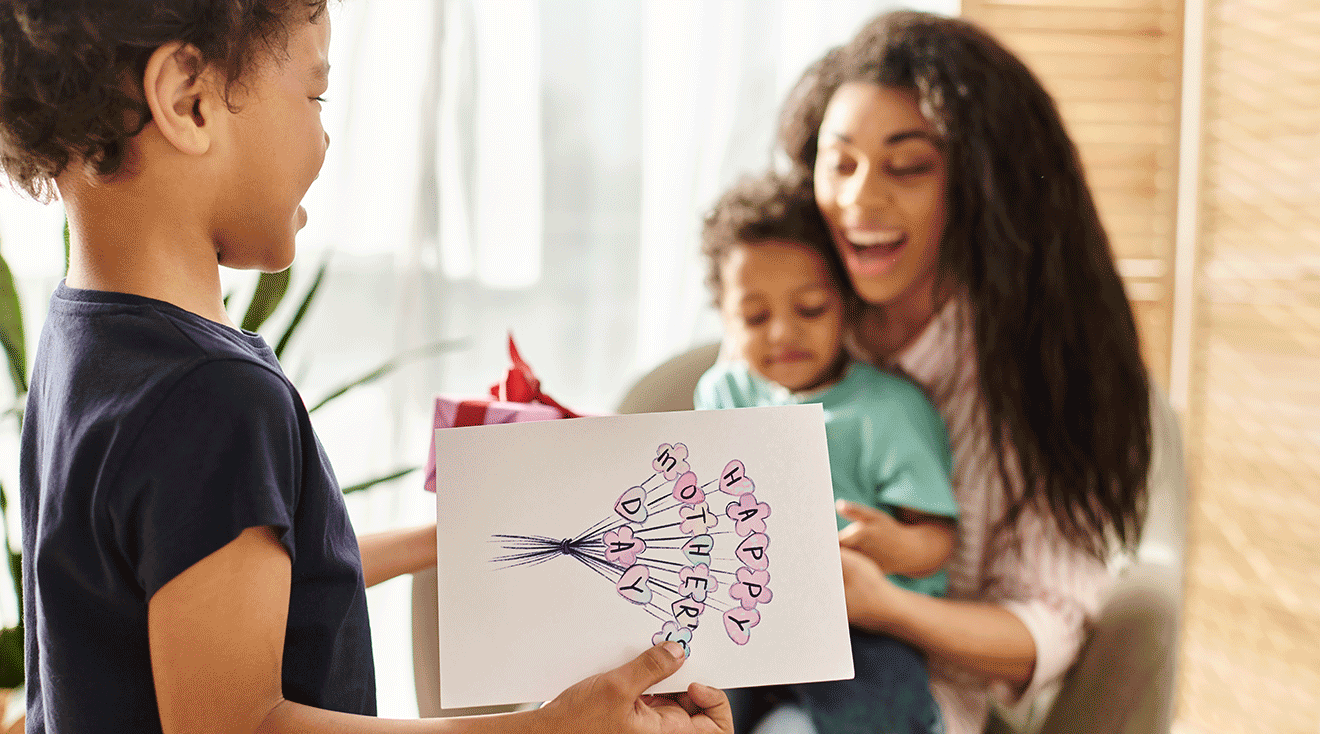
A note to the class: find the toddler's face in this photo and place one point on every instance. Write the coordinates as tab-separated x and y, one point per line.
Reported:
783	313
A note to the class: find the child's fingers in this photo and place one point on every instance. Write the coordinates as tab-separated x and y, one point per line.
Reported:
714	705
682	700
647	669
857	513
852	536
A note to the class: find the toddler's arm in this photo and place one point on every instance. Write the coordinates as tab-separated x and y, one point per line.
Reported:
396	552
216	637
914	544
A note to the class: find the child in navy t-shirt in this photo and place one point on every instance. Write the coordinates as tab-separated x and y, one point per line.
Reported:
188	564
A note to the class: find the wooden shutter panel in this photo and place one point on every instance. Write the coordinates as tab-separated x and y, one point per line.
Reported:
1251	646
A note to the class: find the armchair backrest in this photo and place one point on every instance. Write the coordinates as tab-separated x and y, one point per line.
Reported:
670	385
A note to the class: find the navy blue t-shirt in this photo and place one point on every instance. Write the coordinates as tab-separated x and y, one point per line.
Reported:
152	438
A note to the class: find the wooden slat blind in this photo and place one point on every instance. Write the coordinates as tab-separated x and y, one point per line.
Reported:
1251	658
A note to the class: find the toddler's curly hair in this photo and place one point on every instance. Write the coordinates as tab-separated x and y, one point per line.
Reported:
71	72
768	207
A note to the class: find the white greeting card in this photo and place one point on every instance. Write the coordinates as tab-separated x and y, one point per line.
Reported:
567	547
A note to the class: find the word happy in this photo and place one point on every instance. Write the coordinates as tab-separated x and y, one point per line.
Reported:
697	582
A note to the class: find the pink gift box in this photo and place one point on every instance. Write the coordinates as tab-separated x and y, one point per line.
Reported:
453	412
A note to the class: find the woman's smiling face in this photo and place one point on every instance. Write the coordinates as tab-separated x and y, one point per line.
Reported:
880	183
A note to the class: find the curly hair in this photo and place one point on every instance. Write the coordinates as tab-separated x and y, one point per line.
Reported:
71	72
1057	348
762	208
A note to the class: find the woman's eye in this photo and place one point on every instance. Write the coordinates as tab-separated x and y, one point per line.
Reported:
838	163
756	319
844	166
913	170
813	312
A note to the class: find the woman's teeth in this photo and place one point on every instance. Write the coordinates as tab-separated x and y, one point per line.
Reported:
884	239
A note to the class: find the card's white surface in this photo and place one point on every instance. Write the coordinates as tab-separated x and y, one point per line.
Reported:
520	633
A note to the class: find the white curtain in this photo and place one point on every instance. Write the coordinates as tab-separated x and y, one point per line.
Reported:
534	166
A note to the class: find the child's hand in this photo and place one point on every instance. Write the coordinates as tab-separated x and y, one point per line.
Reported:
612	703
870	533
914	544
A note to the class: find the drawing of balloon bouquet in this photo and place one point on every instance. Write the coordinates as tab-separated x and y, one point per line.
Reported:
666	548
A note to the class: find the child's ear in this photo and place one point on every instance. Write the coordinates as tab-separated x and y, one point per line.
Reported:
180	97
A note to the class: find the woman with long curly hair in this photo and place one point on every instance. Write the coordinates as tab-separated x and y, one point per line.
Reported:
958	207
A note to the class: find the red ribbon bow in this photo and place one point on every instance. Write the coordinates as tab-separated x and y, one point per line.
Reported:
520	385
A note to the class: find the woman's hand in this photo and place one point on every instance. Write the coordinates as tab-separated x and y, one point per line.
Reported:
612	703
867	592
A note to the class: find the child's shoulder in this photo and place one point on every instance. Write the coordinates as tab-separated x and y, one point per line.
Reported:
143	328
126	353
728	384
891	392
727	369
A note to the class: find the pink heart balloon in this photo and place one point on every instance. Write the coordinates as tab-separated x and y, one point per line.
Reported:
738	624
734	479
634	585
632	505
686	489
754	551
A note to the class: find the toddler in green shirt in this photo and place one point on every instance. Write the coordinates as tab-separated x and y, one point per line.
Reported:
784	302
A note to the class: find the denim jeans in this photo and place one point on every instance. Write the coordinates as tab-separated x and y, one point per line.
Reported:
889	694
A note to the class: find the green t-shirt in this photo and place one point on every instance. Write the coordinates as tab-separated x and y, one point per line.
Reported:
888	446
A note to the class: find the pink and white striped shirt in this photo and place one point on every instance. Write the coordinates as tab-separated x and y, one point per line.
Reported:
1055	589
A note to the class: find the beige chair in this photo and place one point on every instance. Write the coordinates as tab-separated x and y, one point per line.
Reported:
1123	680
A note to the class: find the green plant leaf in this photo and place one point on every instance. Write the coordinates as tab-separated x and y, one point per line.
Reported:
271	288
302	309
11	657
15	559
379	480
11	329
429	350
16	573
304	369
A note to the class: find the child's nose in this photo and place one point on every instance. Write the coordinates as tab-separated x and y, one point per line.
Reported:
782	329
